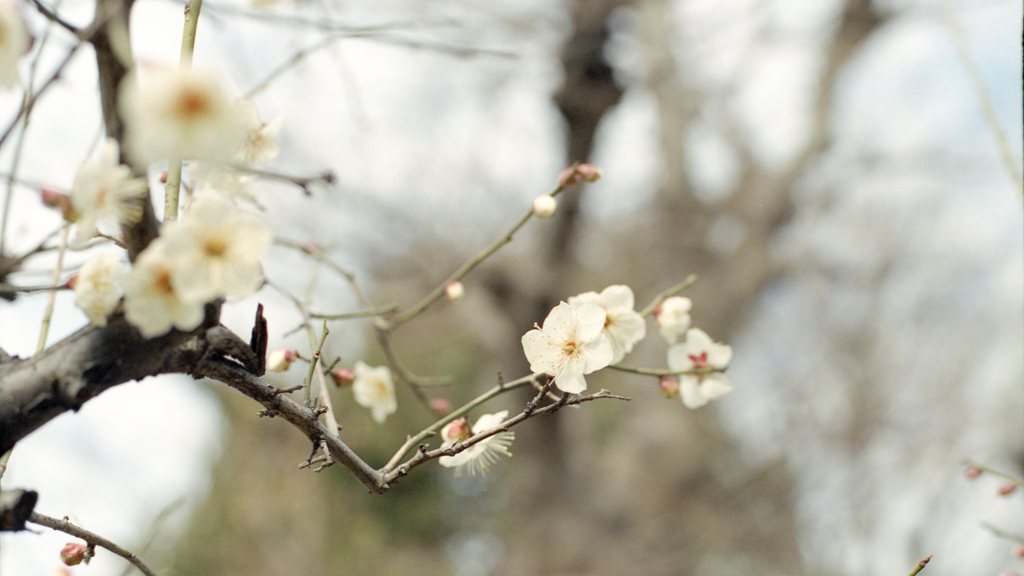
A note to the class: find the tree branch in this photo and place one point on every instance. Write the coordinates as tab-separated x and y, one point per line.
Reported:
90	538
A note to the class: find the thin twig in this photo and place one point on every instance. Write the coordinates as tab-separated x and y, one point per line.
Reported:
956	30
1013	479
44	330
649	309
422	456
188	43
1011	536
470	264
920	566
433	428
90	538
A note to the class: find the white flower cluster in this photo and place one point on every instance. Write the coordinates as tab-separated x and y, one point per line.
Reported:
592	331
213	252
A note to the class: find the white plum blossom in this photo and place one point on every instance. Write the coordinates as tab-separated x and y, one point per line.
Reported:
260	143
673	317
699	352
215	250
104	195
151	302
14	43
569	345
184	114
374	388
96	289
478	457
623	326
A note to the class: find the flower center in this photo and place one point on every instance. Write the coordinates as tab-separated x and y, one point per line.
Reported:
191	103
162	281
571	348
215	247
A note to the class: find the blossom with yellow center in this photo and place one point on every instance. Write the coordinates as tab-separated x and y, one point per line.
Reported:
569	345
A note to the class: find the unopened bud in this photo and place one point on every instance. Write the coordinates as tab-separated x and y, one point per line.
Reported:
1018	550
668	387
440	405
163	177
455	430
1007	488
72	281
544	206
343	376
60	201
972	472
577	172
74	553
454	290
279	360
589	172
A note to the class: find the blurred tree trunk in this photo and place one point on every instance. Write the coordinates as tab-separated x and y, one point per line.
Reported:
666	491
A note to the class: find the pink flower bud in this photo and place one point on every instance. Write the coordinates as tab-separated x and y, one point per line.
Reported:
440	405
163	177
589	172
1018	550
1010	574
1007	488
279	360
668	386
74	553
60	201
455	430
972	472
343	376
544	206
454	290
573	174
72	281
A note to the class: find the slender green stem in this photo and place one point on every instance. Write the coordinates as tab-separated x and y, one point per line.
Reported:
1017	481
920	566
649	309
985	98
655	372
464	269
317	347
48	314
354	315
433	428
188	44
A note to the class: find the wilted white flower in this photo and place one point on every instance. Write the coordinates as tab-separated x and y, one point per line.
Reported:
14	43
544	206
151	303
215	250
260	143
96	290
569	345
698	351
623	326
104	195
374	388
478	457
673	317
183	114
